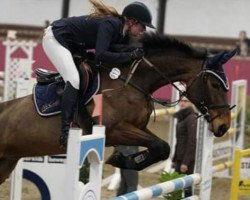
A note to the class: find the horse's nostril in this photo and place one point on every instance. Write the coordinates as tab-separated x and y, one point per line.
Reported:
222	130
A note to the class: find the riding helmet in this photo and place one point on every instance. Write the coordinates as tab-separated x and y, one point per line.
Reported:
139	12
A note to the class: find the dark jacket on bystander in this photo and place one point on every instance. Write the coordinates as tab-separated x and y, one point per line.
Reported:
185	136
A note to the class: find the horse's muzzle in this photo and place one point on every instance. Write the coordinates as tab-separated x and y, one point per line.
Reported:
222	129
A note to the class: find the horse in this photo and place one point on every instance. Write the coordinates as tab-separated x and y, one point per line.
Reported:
127	105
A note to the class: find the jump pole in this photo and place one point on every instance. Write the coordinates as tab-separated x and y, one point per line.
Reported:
162	188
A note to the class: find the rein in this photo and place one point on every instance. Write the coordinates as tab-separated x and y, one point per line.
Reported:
181	93
133	67
127	80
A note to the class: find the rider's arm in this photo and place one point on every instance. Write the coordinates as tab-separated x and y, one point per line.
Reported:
104	37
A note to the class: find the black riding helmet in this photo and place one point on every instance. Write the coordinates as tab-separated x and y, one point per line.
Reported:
139	12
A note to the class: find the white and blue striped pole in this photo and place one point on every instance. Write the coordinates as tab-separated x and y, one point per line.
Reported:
161	188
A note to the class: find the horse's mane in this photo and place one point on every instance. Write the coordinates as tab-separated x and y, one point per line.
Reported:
154	43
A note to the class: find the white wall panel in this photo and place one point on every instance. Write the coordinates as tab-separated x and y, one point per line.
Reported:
219	18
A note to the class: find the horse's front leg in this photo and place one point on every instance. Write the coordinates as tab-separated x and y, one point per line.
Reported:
157	149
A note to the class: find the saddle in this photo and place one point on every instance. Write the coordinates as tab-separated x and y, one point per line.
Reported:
44	76
50	85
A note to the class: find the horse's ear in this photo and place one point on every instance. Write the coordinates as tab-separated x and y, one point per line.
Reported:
228	55
214	60
225	56
220	58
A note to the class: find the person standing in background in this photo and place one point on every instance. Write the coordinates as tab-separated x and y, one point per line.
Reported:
184	156
243	44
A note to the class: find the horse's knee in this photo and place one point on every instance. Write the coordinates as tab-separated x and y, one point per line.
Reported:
161	148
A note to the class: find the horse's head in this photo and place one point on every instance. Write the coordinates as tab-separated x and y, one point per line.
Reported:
172	60
208	91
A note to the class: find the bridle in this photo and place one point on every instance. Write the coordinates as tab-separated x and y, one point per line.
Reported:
202	105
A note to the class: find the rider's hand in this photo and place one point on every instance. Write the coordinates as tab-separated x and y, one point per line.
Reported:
137	54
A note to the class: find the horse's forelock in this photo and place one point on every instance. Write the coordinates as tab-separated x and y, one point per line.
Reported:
155	42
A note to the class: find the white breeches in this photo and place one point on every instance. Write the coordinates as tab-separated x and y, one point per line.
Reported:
61	58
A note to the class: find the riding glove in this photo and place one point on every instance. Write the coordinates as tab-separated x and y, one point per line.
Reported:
137	54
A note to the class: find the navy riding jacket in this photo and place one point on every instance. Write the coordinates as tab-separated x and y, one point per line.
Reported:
84	32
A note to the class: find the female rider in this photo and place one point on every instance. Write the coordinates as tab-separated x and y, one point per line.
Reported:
99	30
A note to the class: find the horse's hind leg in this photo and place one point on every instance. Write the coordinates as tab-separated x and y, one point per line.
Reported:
6	167
157	149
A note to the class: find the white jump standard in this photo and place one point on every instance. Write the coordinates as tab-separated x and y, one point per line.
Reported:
57	177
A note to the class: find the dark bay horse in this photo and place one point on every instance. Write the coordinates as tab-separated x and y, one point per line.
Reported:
127	108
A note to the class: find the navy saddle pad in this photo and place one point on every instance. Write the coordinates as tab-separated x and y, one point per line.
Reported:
47	97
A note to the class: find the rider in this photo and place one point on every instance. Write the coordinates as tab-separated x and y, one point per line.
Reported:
99	30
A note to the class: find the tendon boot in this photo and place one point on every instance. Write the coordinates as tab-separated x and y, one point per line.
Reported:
136	161
68	106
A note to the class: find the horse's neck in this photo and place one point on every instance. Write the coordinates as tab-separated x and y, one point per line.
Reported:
172	69
148	80
181	69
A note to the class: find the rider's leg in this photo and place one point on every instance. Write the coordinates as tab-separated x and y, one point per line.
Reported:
64	63
68	106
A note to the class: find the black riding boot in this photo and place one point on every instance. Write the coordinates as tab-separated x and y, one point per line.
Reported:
68	106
